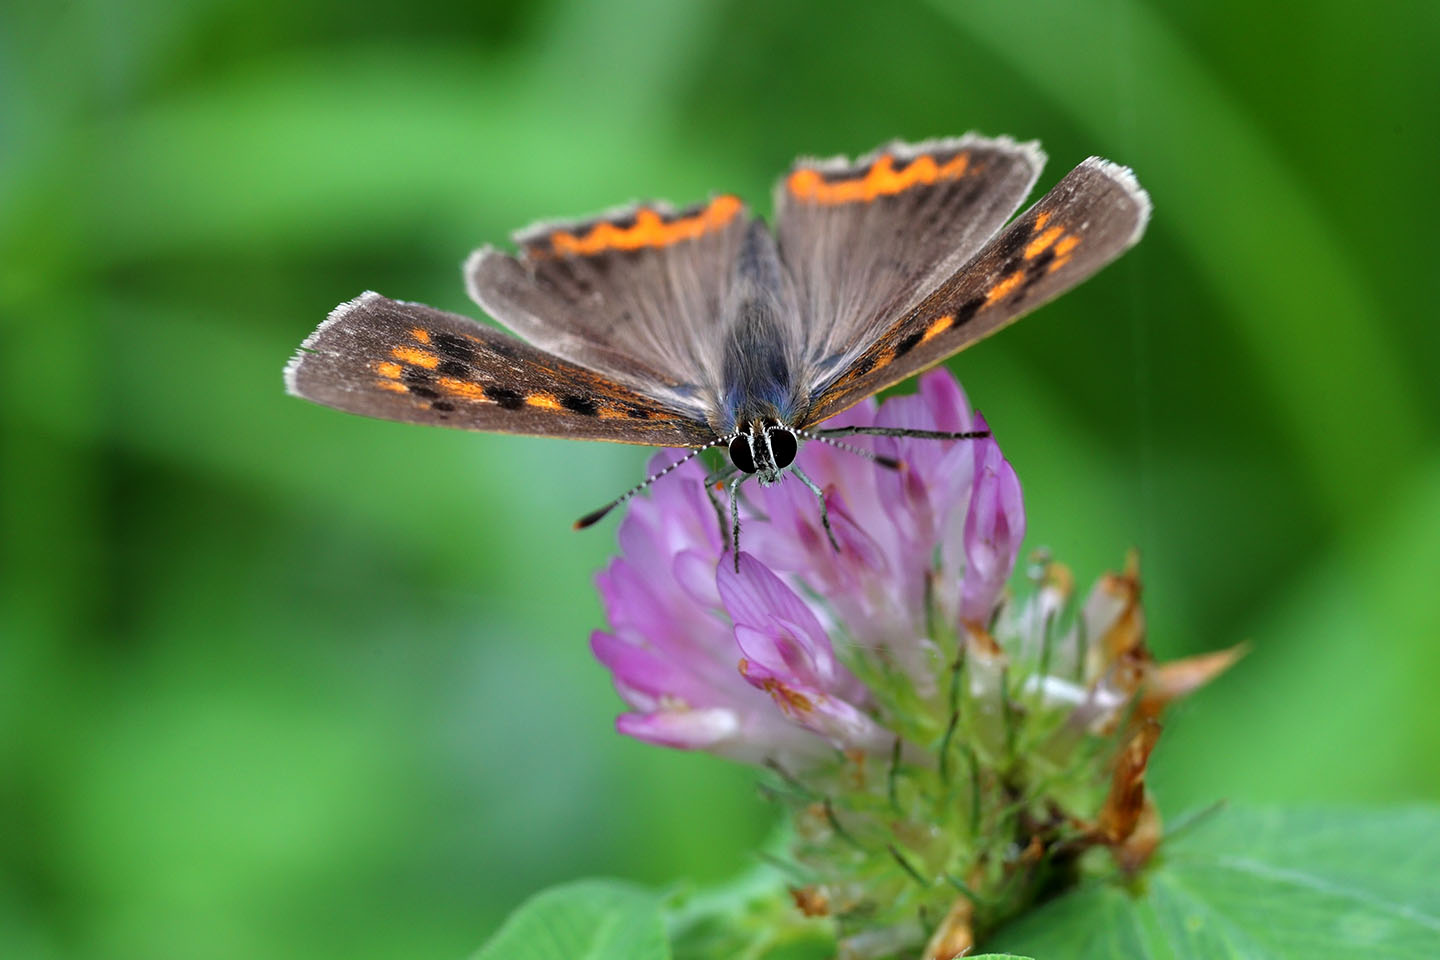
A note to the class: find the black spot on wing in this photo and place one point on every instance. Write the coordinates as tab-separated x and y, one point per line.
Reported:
581	405
967	310
1038	266
1010	244
419	382
453	368
507	399
1033	270
909	343
454	347
502	346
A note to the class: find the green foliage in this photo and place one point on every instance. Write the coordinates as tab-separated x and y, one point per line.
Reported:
749	917
279	683
588	920
1248	884
1261	886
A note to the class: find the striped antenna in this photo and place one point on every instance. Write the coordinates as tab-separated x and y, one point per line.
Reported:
887	462
594	516
900	432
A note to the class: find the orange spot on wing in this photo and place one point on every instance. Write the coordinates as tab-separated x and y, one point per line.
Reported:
937	326
463	388
387	369
612	413
1037	246
1062	252
648	230
543	400
421	334
392	386
1005	287
882	179
1040	220
419	358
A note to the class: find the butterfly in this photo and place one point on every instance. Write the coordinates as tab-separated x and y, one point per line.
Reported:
703	328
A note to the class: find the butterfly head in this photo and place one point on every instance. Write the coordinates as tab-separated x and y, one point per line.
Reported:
764	449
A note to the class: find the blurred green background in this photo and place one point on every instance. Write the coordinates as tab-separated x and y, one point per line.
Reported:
279	682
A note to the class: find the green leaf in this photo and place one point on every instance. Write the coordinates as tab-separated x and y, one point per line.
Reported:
586	920
1261	885
750	917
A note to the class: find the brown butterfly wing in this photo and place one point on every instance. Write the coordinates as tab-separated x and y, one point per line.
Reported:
405	361
865	241
636	293
1094	214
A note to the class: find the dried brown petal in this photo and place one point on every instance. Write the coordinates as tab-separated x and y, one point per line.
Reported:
1137	848
1169	682
1123	807
812	901
956	934
981	642
1114	620
1126	634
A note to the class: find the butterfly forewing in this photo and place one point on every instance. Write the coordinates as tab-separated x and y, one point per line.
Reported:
406	361
1097	212
635	294
864	242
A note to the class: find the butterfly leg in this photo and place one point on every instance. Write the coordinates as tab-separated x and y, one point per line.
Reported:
824	511
714	481
735	519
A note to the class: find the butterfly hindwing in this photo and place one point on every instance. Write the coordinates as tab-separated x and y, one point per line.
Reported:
406	361
865	241
1094	214
635	294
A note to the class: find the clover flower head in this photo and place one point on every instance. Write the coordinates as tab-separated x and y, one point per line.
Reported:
946	748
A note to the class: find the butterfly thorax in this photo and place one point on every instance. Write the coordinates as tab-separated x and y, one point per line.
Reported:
759	393
761	349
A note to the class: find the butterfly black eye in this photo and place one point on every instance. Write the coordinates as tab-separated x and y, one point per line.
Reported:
783	445
740	454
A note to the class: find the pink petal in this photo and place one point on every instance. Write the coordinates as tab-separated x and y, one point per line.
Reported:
994	528
683	729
